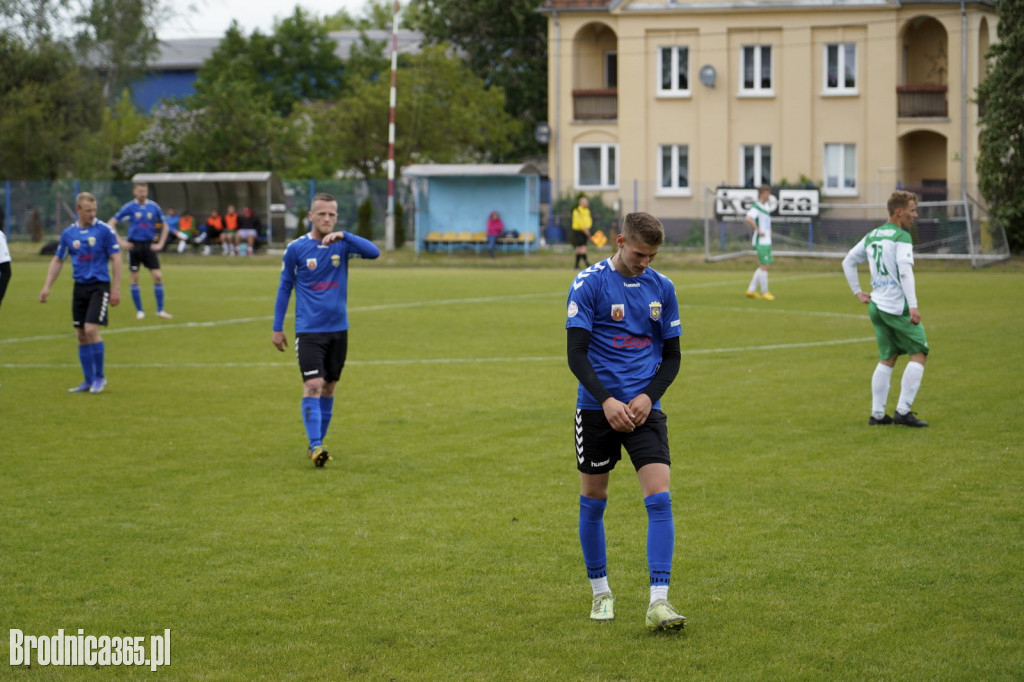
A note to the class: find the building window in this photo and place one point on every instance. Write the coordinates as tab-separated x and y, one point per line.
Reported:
757	70
841	68
840	169
611	70
674	169
756	165
597	166
674	71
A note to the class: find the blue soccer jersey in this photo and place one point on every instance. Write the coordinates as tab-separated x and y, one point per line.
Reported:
319	275
628	319
143	220
90	249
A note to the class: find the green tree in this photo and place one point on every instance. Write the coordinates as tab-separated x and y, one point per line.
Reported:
50	109
118	38
1001	157
296	62
377	14
505	42
444	113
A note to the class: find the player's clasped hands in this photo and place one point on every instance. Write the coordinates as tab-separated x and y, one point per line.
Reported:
626	418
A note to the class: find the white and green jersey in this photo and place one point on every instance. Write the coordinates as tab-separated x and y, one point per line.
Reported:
760	214
889	252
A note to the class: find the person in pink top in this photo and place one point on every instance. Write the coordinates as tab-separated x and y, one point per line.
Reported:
494	229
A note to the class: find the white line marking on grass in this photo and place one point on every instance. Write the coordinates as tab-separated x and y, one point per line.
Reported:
426	361
773	309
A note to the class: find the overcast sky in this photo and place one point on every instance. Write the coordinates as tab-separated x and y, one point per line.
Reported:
213	17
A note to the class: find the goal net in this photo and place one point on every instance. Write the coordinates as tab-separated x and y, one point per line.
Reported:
954	230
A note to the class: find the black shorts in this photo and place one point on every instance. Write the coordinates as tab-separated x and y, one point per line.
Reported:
90	303
598	446
142	253
321	355
579	238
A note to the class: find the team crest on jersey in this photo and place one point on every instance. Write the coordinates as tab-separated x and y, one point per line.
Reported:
335	259
618	311
76	244
311	263
655	307
92	241
138	215
573	309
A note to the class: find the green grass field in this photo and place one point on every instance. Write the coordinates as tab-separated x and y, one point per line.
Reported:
440	544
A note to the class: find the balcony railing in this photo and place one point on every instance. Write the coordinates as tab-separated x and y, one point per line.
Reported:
595	105
922	101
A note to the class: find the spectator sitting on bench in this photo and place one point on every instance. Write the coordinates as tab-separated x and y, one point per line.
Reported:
186	231
214	228
248	230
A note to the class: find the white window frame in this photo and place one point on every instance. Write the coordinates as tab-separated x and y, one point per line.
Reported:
673	91
840	188
840	88
757	90
609	171
759	154
673	189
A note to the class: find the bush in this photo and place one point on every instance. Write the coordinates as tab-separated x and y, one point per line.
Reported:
364	219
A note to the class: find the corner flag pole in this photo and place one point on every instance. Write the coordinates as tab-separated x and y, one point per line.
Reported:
389	218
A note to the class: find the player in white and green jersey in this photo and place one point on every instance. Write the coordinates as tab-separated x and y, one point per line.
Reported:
892	307
759	218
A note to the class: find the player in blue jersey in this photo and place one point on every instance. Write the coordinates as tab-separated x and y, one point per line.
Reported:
91	244
144	219
623	333
316	267
892	307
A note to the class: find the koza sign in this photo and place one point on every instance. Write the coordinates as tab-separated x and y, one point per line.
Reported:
734	202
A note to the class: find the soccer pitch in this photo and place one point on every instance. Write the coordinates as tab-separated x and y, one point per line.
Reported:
441	542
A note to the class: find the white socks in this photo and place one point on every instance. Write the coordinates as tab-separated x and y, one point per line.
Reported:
659	592
880	389
599	585
760	278
909	386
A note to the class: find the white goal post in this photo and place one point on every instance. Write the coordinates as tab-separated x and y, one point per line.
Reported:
803	226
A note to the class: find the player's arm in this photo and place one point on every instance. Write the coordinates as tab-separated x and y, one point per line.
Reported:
615	411
115	277
858	254
284	294
671	360
910	292
51	276
163	236
123	243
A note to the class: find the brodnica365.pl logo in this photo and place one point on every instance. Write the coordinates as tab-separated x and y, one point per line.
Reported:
82	649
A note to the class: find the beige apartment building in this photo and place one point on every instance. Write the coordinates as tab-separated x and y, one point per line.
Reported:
653	102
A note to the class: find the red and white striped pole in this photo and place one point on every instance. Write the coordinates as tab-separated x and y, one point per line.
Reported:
389	217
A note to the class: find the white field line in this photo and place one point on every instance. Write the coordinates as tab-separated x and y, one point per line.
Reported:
427	361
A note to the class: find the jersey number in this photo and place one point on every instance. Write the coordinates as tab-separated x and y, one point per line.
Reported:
880	268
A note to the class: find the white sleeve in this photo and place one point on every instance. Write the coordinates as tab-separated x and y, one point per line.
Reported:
858	254
908	284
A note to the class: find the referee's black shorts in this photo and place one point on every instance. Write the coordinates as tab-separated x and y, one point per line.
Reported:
598	446
142	253
579	238
90	303
321	355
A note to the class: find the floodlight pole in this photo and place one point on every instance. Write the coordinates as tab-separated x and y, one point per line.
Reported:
389	217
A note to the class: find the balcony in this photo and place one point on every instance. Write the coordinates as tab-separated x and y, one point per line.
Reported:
922	101
595	105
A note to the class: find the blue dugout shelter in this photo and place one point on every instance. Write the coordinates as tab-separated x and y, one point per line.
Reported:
458	198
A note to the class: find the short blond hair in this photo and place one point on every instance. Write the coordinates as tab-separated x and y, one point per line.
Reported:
900	199
643	227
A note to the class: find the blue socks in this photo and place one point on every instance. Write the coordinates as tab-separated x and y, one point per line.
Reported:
158	291
97	359
311	418
661	535
85	357
326	412
592	536
91	358
137	297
